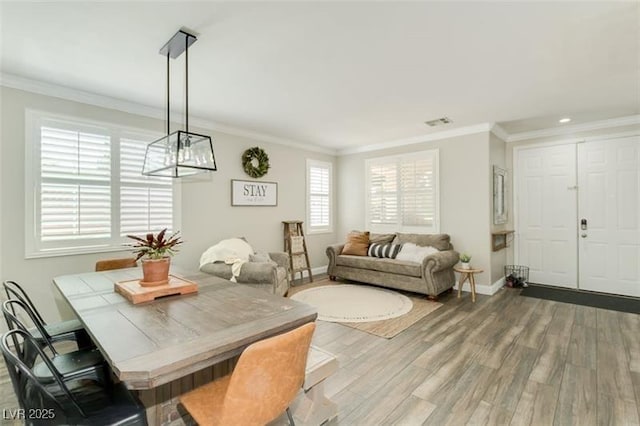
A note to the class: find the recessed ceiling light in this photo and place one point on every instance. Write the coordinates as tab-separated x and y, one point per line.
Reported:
564	120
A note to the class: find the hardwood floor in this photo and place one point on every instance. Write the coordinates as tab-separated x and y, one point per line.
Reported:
503	360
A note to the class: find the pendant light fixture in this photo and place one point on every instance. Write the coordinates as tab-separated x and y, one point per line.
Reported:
181	153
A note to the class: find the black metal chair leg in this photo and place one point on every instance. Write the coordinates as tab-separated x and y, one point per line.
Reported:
291	422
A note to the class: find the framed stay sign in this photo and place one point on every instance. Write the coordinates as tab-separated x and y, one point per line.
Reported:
253	193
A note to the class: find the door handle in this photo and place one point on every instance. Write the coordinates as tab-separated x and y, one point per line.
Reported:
583	224
584	235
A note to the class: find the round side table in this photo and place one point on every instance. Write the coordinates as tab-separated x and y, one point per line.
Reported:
467	275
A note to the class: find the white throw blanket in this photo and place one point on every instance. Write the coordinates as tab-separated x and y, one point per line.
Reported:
415	253
233	251
236	267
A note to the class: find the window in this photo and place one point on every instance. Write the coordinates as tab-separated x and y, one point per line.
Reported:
402	193
85	190
146	202
319	196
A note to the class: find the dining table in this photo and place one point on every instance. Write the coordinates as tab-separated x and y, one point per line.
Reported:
163	348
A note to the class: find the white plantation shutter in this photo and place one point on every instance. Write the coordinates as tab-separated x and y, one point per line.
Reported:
383	193
417	192
318	196
402	192
75	188
75	155
146	202
85	190
71	212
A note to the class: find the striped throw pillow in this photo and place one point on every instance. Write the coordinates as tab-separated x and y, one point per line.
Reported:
384	250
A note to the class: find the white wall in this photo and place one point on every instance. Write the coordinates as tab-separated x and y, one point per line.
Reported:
1	180
465	203
207	215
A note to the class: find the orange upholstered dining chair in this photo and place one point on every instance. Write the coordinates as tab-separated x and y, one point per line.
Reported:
264	383
109	264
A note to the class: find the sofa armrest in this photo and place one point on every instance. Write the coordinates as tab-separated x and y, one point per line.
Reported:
281	258
335	249
332	252
439	261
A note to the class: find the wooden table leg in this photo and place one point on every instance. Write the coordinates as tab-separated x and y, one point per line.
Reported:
472	283
314	408
463	277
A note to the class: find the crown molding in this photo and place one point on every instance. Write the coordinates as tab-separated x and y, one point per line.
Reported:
446	134
48	89
499	131
40	87
575	128
63	92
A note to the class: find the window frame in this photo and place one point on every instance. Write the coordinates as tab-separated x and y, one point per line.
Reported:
398	227
319	229
34	247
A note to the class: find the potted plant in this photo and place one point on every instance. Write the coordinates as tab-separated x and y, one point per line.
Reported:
155	252
464	260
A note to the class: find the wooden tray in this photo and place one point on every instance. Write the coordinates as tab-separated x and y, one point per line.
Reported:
135	293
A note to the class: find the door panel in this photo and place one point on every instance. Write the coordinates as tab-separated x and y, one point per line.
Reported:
547	214
609	199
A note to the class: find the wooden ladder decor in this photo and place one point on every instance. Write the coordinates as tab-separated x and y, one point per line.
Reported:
296	247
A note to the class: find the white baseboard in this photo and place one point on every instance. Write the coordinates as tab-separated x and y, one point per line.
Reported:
488	290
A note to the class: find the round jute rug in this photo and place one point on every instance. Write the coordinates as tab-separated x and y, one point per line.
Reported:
354	303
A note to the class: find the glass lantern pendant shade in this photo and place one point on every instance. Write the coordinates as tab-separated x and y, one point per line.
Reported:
181	153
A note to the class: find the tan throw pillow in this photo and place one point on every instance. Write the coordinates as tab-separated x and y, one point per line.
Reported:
357	243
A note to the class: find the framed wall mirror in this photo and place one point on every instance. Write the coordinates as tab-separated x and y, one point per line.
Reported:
499	196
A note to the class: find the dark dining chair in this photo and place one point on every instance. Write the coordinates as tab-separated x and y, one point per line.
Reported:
64	330
66	365
80	401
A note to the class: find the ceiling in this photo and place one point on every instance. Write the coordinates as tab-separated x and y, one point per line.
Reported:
344	74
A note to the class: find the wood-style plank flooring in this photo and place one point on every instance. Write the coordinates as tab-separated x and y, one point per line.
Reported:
504	360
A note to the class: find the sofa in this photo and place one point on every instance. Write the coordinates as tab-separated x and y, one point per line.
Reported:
433	276
272	277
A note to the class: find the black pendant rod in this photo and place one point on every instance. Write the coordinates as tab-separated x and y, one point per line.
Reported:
186	72
168	96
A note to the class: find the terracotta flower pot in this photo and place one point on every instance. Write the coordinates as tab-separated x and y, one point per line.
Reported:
155	272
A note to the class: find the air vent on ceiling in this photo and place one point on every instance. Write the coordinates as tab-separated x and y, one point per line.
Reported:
438	122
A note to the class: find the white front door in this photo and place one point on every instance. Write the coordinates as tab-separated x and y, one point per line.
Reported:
547	214
609	202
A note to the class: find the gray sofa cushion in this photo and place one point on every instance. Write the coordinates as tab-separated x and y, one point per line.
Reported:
261	258
381	238
439	241
251	272
219	269
392	266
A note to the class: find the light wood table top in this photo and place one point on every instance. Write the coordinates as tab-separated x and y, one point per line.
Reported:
468	271
153	343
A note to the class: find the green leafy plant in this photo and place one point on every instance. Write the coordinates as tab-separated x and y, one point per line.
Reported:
465	258
155	246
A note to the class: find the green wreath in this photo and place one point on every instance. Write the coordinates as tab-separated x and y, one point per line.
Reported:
258	154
